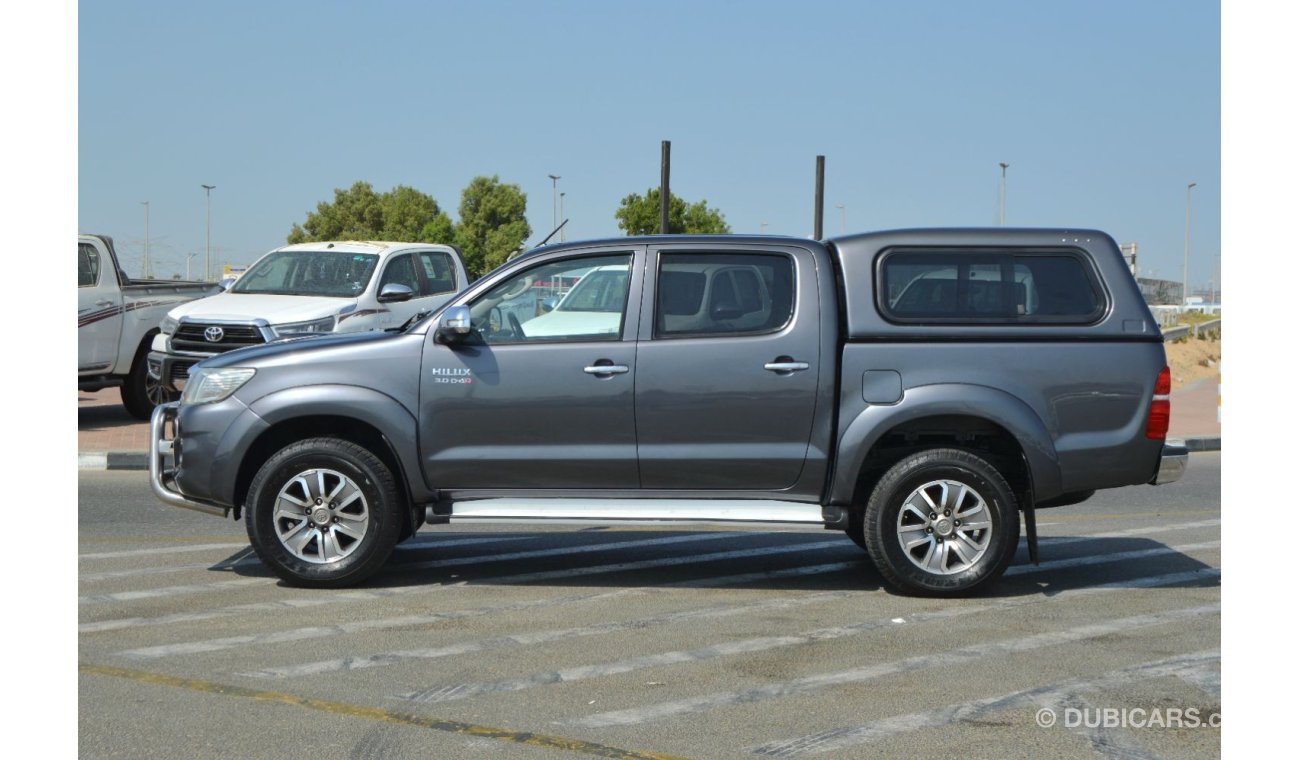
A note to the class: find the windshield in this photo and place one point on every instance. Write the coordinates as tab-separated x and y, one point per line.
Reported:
309	273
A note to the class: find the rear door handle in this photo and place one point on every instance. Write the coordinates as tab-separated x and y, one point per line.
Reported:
606	369
785	366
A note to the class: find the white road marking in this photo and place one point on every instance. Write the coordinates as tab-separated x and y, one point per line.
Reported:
953	657
534	638
316	632
162	550
451	692
1098	559
154	593
1140	532
248	559
1182	666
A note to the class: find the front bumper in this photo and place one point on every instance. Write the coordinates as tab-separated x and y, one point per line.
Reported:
162	464
1173	463
172	370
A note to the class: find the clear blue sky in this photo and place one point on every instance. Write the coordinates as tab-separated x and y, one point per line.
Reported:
1104	110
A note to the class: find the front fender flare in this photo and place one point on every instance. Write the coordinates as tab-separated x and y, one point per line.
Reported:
379	410
980	401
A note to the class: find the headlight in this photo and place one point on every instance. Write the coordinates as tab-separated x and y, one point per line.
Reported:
169	324
207	386
304	328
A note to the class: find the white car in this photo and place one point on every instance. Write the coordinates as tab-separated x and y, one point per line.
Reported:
594	306
309	289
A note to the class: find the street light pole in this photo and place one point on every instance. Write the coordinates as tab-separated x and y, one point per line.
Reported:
840	206
1002	195
188	258
145	265
207	256
1187	238
562	236
554	221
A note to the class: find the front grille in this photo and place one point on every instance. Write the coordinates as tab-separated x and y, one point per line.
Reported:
180	374
190	337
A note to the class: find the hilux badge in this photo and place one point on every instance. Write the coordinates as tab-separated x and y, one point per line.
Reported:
458	375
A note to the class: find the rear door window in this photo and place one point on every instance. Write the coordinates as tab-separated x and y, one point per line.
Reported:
708	294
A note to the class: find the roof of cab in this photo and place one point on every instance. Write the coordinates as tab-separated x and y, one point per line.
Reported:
358	246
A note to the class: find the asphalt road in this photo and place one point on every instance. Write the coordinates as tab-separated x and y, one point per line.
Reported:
650	641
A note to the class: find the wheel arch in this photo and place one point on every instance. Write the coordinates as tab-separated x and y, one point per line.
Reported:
983	420
362	416
291	430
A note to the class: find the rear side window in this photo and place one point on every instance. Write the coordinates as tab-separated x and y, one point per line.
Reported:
988	287
706	294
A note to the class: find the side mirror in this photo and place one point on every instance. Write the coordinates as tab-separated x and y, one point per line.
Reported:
548	304
724	311
454	323
395	293
226	283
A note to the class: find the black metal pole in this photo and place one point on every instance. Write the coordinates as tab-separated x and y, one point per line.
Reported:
663	187
817	201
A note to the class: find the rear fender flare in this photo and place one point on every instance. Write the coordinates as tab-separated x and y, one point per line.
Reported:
996	406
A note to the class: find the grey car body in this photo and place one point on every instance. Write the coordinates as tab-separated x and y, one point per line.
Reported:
816	407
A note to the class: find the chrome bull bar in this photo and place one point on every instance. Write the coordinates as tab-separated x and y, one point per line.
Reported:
162	465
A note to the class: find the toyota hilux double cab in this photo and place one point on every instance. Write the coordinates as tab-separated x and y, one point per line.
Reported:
921	390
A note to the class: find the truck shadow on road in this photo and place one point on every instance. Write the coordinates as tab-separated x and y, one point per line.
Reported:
782	561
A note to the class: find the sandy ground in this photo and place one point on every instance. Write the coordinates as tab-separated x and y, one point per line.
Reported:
1192	359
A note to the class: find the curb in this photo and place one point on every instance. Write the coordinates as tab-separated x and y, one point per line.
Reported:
139	460
112	460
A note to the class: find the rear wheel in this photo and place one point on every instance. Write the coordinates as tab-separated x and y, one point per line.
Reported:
941	522
855	528
324	513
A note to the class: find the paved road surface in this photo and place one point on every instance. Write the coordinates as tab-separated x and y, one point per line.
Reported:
648	641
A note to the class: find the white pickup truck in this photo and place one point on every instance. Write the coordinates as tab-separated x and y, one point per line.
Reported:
116	320
308	289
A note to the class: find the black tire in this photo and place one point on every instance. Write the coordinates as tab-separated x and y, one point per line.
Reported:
969	556
141	393
855	530
334	459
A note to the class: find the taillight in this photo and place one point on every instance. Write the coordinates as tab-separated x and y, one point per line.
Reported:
1158	419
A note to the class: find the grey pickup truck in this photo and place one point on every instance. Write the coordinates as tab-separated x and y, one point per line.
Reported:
920	390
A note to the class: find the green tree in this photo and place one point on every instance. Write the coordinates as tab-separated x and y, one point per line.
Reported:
639	215
359	213
492	224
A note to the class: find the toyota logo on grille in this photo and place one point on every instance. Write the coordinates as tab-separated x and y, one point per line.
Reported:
214	334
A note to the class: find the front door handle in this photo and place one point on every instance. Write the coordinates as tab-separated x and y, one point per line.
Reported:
105	302
606	369
785	366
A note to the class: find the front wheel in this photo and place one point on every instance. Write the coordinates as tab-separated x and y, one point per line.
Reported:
941	522
324	513
142	392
